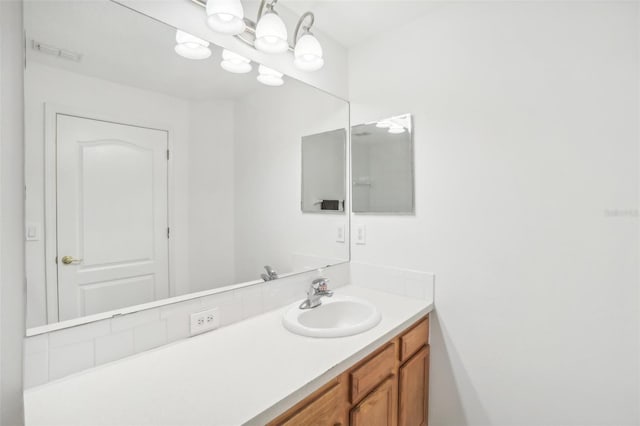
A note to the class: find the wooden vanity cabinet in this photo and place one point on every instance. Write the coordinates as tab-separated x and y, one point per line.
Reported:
390	387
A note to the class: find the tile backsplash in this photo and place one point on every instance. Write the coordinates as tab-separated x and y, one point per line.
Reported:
57	354
403	282
60	353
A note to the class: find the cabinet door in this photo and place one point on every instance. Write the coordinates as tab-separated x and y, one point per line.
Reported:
379	408
414	390
323	411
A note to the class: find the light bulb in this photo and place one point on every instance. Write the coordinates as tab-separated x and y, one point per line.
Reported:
308	53
269	76
191	47
226	16
271	34
234	62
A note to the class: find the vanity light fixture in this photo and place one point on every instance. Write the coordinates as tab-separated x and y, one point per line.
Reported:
308	51
235	63
226	16
384	124
269	76
271	33
268	33
191	47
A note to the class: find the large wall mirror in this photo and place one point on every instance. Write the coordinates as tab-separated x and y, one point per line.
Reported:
150	175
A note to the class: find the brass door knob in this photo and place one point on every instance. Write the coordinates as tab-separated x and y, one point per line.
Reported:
68	260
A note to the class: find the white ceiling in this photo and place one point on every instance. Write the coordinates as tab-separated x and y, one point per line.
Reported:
351	22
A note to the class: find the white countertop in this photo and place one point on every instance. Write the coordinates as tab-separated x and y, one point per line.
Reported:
246	373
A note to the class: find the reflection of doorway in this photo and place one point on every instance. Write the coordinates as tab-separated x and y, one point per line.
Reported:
111	216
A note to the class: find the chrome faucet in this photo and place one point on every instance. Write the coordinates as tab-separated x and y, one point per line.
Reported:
316	291
270	275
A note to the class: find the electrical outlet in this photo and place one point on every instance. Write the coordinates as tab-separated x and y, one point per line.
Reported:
361	234
204	321
340	234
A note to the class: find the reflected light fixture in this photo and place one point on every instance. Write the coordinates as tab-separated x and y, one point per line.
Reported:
396	129
269	76
271	33
226	16
308	51
191	47
235	63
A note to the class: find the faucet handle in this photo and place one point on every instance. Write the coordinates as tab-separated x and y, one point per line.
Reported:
320	282
320	285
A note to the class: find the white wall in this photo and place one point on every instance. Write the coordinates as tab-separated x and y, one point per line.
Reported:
269	221
11	214
526	146
211	196
121	103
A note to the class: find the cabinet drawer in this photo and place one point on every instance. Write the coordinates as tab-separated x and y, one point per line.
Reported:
413	340
323	411
370	374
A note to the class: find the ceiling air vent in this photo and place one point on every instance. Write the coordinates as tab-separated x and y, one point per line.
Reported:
56	51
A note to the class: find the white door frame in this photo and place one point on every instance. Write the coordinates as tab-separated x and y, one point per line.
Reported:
51	111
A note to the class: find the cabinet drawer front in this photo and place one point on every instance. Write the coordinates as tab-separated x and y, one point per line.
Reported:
325	410
372	372
413	340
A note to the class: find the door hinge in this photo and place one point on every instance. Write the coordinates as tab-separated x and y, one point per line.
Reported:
168	232
168	154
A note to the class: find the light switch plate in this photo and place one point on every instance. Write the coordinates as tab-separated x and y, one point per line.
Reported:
32	232
340	234
204	321
361	234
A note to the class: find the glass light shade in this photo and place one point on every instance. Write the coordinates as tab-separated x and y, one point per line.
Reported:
308	53
235	63
269	76
226	16
191	47
395	129
271	34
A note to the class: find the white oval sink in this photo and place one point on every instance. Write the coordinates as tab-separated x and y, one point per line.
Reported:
338	316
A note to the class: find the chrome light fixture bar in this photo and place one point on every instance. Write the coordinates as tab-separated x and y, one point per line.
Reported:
268	33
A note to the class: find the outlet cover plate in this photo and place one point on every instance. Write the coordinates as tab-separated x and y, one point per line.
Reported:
204	321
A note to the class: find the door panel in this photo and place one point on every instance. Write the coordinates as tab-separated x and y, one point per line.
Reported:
114	294
112	215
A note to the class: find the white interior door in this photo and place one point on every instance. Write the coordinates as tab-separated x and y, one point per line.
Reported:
111	215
